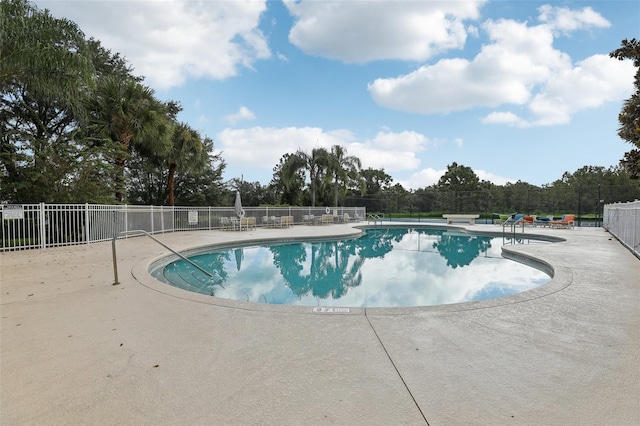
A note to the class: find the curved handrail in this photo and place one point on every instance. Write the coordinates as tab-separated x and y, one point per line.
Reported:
139	232
375	218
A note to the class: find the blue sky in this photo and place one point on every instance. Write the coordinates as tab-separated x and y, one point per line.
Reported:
516	90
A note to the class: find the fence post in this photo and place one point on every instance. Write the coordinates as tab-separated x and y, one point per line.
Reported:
579	205
87	225
42	219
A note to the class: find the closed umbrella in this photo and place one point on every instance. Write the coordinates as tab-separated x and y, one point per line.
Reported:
238	206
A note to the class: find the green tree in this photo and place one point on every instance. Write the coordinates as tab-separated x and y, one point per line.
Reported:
375	181
253	193
127	112
458	178
45	72
315	163
344	168
629	116
187	154
48	56
459	185
287	180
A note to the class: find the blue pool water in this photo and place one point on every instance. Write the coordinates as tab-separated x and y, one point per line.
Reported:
392	267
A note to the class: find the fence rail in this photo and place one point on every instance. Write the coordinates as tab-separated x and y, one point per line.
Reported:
623	221
28	226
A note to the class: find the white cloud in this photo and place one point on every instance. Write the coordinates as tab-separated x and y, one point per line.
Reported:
493	178
429	176
390	151
423	178
262	147
170	41
521	67
508	118
590	84
363	31
563	19
202	119
243	113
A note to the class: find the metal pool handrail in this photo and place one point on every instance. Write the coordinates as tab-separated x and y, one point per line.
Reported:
140	231
375	218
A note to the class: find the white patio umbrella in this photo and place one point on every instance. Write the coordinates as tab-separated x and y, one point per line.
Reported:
238	206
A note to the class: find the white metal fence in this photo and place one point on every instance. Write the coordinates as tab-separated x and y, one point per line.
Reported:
27	226
623	221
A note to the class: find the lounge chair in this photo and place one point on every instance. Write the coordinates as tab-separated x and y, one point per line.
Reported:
529	220
543	221
567	221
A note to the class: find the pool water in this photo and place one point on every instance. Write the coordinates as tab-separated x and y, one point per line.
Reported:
391	267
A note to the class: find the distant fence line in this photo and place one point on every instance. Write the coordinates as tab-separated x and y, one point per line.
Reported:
623	221
583	201
27	226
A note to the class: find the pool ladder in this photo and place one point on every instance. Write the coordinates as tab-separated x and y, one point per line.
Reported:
375	218
139	232
513	226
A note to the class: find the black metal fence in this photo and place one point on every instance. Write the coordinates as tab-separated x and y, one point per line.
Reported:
586	202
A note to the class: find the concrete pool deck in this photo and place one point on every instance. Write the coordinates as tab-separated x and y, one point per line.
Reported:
75	349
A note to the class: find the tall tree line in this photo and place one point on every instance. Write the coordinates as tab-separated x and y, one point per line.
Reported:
77	126
629	116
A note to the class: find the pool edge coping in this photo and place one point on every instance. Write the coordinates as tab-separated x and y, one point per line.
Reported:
561	278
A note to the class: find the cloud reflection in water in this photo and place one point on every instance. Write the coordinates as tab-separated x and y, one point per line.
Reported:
384	268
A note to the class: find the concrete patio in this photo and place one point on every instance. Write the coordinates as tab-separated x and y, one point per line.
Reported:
76	349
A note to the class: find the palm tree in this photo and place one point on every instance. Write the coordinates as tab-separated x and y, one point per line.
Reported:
188	153
286	181
47	55
315	163
343	167
126	112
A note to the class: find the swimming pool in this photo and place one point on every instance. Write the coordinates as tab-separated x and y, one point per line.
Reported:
390	267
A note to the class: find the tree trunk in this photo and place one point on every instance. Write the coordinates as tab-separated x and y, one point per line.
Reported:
125	139
170	186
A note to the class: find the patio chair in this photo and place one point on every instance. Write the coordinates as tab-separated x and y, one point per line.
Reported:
225	223
567	221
